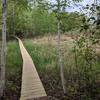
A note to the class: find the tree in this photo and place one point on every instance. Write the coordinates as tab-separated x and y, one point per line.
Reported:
3	51
86	49
58	7
70	21
15	8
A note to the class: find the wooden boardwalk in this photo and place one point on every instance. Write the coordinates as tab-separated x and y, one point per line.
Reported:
32	87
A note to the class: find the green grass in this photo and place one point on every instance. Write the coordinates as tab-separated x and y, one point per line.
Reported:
13	71
45	58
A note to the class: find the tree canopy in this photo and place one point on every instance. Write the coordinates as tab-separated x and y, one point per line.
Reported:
37	17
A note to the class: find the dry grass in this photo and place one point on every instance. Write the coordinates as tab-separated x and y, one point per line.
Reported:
52	39
44	54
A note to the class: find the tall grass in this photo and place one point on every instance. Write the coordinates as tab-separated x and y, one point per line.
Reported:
45	59
42	55
13	71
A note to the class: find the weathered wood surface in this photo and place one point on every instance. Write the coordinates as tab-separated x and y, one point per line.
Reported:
31	84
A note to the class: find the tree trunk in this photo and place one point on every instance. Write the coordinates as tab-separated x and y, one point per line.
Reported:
60	59
3	50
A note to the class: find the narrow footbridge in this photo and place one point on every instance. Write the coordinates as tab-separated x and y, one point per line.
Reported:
32	88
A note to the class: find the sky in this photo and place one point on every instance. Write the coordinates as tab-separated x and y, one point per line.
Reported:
77	8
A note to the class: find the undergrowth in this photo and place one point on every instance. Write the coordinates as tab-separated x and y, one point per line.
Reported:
13	71
45	59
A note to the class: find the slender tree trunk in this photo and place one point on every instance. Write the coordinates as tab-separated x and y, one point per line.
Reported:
60	59
3	51
59	49
95	1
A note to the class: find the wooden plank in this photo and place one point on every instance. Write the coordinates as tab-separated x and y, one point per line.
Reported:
31	84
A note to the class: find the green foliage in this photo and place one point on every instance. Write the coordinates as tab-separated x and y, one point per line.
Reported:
82	76
71	21
43	58
38	17
43	22
13	71
15	8
87	66
85	49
